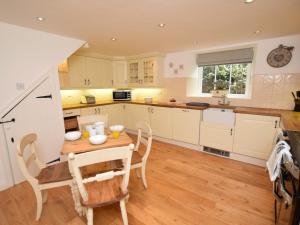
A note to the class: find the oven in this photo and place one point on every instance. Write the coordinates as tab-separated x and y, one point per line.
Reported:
122	95
286	188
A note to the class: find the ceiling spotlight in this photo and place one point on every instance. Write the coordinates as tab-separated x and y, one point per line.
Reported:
113	39
257	32
40	19
162	25
248	1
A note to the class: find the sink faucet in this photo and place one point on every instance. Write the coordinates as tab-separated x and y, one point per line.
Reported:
224	100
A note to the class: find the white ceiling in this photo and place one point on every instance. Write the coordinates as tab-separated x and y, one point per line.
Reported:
135	22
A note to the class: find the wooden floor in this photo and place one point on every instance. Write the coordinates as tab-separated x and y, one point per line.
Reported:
186	187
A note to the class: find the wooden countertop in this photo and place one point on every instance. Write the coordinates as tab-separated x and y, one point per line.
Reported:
290	119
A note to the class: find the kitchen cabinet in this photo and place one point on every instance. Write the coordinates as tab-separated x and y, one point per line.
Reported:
120	74
145	72
186	125
216	135
76	72
71	112
161	121
90	111
106	73
135	113
254	135
116	115
88	72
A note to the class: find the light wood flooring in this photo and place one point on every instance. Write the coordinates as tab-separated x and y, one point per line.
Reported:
186	187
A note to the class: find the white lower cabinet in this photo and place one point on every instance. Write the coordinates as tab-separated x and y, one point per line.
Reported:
90	111
186	125
135	113
161	121
215	135
254	135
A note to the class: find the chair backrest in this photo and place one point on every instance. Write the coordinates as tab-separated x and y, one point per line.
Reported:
91	119
76	161
29	141
144	137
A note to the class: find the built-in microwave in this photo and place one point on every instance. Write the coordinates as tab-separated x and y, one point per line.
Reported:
121	95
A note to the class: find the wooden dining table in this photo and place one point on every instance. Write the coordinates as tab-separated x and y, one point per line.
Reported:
83	145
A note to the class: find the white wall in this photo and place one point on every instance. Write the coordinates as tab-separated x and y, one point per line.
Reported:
25	55
262	49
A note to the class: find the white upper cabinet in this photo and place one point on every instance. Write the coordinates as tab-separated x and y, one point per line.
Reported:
120	74
88	72
93	71
186	125
255	135
146	72
76	72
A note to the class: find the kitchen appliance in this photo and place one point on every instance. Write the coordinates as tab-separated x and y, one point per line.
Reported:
88	99
122	95
286	188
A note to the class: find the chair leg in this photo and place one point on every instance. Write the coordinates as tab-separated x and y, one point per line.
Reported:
144	176
39	203
123	212
89	216
137	172
45	196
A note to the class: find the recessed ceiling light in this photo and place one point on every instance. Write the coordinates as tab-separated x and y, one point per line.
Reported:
162	25
248	1
113	39
39	18
257	32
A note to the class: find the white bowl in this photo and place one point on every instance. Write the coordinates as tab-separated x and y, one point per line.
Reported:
118	128
98	139
72	135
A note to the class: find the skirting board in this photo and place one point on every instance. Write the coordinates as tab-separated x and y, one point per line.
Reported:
233	156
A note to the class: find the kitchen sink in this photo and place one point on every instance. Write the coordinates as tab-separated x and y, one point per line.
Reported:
219	115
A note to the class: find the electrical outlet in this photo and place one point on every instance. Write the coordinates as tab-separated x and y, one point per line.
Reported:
20	85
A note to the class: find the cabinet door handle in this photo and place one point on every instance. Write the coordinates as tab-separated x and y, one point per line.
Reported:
276	122
89	82
231	130
112	82
124	106
152	110
84	81
95	110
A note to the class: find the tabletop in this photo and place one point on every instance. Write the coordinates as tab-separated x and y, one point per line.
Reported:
83	144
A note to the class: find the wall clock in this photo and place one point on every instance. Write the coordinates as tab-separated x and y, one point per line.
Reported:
280	56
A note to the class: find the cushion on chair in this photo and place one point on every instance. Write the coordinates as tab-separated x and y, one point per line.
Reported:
136	158
54	173
104	192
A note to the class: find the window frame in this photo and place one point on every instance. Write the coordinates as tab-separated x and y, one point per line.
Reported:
247	88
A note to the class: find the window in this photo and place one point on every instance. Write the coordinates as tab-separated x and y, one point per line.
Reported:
226	70
231	77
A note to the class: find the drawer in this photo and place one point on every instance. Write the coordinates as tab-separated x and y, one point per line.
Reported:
71	112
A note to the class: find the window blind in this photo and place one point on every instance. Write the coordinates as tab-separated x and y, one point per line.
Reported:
225	57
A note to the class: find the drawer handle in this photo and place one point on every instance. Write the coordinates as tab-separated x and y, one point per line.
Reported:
69	113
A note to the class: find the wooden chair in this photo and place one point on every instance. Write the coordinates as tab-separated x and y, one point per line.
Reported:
138	160
91	119
53	176
103	188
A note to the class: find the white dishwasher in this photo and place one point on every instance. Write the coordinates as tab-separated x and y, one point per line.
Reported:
217	130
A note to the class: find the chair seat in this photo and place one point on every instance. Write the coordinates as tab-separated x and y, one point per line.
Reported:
104	192
54	173
136	158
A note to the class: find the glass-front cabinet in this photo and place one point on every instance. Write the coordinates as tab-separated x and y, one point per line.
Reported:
145	72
